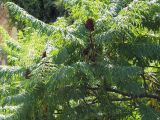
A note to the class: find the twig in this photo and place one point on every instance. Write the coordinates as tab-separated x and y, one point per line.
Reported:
129	95
154	66
144	81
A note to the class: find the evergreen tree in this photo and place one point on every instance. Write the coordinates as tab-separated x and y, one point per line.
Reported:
102	62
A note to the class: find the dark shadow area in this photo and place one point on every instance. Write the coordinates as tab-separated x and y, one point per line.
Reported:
45	10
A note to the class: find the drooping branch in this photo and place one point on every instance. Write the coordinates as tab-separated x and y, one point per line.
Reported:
143	95
158	67
24	17
121	99
133	96
130	96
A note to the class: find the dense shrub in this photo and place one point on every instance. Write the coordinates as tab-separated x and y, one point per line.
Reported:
101	62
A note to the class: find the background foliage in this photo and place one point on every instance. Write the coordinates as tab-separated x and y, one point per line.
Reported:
100	62
45	10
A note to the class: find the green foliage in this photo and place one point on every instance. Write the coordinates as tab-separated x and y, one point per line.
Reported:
68	71
22	16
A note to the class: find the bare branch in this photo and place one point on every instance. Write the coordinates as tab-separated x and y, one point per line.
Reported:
130	96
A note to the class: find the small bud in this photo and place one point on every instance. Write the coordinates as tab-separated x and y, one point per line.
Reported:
44	54
90	24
